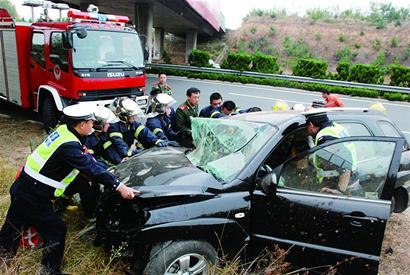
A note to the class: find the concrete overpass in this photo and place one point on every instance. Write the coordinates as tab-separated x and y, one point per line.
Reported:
185	18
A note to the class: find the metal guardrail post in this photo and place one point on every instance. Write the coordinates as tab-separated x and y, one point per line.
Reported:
382	88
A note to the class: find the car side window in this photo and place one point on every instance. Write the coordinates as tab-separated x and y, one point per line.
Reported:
37	49
355	128
388	129
338	169
58	51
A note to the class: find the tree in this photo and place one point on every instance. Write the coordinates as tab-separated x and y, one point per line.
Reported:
6	4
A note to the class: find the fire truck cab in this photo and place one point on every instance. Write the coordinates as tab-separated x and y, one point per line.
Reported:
90	58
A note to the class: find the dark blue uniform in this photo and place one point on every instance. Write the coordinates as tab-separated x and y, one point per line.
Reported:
122	137
160	125
99	147
207	111
31	201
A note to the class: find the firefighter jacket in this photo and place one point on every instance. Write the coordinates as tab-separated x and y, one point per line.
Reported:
160	125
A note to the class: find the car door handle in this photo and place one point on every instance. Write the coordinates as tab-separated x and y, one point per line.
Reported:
357	220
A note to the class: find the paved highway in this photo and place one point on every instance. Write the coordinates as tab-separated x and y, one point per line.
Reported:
248	95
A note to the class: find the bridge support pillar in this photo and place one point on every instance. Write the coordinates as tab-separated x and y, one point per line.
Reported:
159	43
144	18
191	38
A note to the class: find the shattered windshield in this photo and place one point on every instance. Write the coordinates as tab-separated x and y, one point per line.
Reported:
225	146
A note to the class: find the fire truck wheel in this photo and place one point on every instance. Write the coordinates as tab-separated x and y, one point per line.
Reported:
50	114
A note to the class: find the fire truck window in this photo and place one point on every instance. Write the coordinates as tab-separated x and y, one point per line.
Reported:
58	52
37	49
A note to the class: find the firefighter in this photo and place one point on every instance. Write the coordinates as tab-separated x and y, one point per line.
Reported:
124	132
215	102
96	142
159	121
162	84
48	171
323	130
229	108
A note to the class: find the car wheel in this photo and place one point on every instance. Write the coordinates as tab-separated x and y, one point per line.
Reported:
181	257
49	114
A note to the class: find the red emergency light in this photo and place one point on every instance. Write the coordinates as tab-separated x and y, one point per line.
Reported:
97	17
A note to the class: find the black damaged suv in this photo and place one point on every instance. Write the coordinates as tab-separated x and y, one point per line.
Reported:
252	182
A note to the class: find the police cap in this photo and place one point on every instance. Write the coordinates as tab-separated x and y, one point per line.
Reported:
80	111
317	118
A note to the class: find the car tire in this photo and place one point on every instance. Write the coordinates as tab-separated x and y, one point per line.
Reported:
49	114
181	257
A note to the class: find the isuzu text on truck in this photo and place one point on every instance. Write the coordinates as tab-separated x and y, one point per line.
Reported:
90	58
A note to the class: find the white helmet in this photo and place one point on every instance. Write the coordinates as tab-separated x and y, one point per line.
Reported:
160	102
103	115
124	107
299	107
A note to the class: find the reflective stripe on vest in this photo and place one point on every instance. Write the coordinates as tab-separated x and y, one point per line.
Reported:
116	134
138	131
157	130
40	156
107	144
337	131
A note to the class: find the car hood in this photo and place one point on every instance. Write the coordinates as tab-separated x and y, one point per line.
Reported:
164	170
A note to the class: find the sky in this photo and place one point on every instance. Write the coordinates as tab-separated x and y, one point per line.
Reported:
235	10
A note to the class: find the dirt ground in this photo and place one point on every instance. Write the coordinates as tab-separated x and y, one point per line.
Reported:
17	137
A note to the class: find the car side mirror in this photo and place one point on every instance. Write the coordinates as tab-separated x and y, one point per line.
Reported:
269	183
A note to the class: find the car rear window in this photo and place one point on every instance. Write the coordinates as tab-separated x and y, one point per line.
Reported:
388	129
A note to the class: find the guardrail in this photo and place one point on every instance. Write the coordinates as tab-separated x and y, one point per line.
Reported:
383	88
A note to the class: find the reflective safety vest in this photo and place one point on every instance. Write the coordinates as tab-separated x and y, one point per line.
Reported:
337	131
38	159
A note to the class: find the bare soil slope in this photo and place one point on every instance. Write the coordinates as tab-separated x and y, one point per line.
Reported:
323	40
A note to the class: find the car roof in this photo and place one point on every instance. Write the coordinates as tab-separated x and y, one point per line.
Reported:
284	117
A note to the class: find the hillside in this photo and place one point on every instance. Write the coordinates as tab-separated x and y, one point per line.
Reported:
351	40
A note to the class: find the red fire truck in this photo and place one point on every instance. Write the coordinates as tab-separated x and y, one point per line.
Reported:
48	65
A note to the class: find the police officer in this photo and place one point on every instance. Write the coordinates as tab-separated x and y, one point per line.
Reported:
323	130
159	121
124	132
47	172
215	102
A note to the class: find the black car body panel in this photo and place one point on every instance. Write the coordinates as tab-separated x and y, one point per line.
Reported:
181	201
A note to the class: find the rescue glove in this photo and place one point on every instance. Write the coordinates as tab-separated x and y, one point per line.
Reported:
173	143
162	143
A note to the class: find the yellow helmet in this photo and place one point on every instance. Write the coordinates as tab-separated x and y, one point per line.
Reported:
280	106
379	107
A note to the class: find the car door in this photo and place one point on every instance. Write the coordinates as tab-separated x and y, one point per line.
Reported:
322	227
38	74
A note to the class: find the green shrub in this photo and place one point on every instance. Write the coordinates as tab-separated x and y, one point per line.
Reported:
357	46
165	57
253	30
342	37
343	55
407	52
394	96
377	45
365	73
400	76
265	63
318	37
362	33
237	61
199	58
394	42
297	48
311	68
343	71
